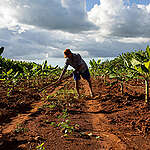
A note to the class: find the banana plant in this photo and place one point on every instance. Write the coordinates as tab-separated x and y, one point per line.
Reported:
139	63
117	71
1	50
105	66
95	67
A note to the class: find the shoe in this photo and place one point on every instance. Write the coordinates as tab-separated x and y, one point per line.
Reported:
92	95
79	96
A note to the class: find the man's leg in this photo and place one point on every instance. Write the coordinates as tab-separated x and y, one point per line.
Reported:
86	76
76	77
90	87
77	87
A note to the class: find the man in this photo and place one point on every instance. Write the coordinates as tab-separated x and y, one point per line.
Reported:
81	69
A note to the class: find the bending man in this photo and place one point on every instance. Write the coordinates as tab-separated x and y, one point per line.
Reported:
81	69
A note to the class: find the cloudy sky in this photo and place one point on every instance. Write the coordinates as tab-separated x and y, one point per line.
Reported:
95	28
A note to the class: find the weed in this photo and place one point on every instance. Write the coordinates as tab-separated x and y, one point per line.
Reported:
66	128
40	147
9	90
64	114
20	129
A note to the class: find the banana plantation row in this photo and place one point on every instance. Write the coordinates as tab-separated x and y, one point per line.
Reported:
128	66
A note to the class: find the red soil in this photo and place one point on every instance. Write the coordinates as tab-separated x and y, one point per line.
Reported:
109	121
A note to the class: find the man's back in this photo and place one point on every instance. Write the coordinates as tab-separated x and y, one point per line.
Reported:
75	61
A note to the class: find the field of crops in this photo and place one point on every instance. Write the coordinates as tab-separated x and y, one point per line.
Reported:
37	113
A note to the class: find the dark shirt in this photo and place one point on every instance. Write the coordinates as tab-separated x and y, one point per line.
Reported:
76	61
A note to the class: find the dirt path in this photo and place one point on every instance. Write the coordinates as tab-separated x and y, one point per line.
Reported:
100	123
100	126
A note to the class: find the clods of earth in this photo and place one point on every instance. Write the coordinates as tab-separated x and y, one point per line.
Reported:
56	119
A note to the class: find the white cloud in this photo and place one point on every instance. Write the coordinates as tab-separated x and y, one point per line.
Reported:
6	14
34	29
116	19
134	40
148	8
64	15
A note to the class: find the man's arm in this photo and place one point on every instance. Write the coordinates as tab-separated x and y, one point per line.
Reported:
65	68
